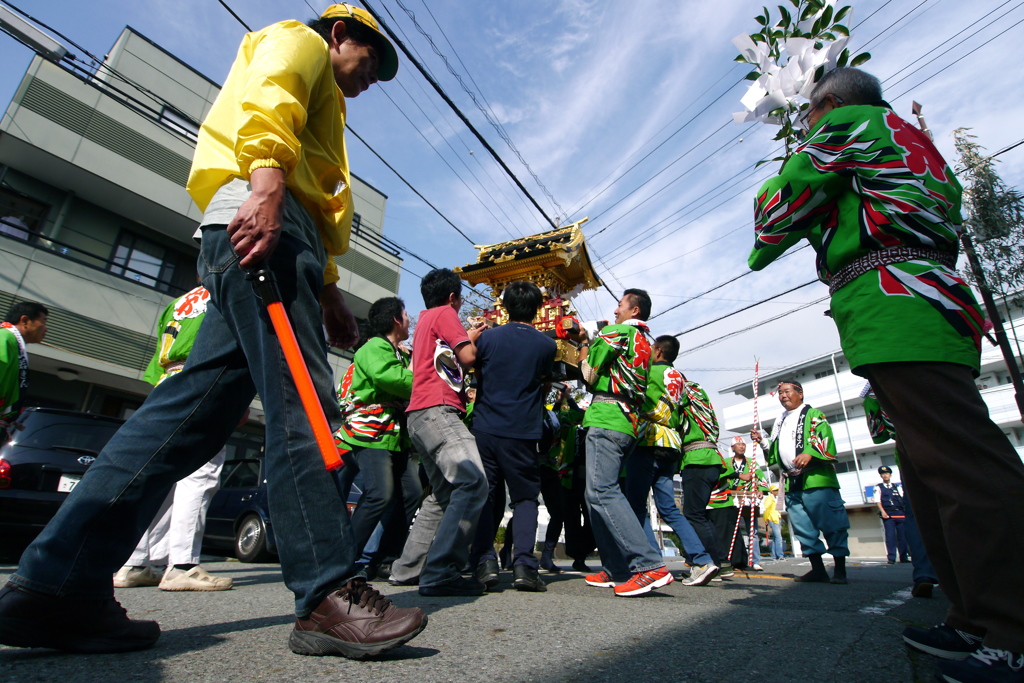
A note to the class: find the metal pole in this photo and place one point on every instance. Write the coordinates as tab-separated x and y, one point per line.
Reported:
849	436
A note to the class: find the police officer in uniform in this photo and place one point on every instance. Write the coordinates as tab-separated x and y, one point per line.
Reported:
893	512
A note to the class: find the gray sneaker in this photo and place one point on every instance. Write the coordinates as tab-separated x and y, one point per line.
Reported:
702	575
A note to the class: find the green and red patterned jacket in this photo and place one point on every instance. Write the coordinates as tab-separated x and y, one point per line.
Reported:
620	358
176	332
373	394
814	436
864	181
562	454
660	417
699	428
879	424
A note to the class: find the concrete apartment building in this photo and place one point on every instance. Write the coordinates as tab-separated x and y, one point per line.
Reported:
95	222
833	388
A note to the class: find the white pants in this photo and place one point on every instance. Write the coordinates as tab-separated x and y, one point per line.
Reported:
176	534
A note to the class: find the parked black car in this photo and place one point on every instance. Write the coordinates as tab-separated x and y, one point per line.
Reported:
44	460
238	520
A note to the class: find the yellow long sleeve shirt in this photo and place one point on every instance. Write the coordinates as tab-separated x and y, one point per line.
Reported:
771	510
280	107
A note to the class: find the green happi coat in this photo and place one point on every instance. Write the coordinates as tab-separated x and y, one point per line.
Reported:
562	454
10	374
699	427
815	438
660	416
620	357
176	332
373	395
863	181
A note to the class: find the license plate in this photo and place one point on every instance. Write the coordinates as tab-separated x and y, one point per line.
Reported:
68	482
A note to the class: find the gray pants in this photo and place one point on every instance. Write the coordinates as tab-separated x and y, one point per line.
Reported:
439	541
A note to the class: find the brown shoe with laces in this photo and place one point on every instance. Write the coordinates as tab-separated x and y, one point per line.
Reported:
356	622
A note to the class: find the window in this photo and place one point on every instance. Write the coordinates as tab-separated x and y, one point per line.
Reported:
177	121
148	263
357	223
824	373
844	466
20	217
889	460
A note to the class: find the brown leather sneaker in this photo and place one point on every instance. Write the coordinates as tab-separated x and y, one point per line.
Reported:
357	622
32	619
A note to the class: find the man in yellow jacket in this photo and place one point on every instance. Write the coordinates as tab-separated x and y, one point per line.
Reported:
773	519
271	175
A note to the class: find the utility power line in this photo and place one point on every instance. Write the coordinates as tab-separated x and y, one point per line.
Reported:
745	308
751	327
440	91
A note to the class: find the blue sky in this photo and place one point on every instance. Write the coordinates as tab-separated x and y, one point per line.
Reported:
586	89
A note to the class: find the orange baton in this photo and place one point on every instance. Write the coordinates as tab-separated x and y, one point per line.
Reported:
265	285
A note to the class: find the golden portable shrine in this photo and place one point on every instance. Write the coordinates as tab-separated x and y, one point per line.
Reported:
558	263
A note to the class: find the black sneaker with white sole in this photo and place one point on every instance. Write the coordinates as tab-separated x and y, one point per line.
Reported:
942	641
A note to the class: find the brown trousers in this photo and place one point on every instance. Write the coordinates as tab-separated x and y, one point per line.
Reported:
966	485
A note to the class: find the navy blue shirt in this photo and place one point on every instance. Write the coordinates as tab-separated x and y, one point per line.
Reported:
512	362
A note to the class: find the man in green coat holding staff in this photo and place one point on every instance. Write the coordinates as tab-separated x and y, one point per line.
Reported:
802	446
881	208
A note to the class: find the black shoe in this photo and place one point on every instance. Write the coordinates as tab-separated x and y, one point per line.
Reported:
414	581
527	579
891	562
814	576
487	573
458	587
581	566
32	619
944	642
839	571
922	589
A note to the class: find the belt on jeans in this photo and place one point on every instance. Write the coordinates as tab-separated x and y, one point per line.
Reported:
876	259
697	445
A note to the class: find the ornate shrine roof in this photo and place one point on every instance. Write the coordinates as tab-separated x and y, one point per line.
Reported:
556	260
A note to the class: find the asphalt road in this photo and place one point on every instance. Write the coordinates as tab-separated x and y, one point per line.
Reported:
753	628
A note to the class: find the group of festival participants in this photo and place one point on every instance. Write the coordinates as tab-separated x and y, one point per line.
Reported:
869	191
396	404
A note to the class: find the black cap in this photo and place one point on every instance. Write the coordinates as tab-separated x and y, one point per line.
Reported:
884	469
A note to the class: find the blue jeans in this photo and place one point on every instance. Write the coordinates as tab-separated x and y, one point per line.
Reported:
620	538
384	473
819	509
459	488
923	570
778	550
652	469
185	421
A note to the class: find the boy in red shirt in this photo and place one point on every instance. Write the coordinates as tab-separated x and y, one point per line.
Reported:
442	348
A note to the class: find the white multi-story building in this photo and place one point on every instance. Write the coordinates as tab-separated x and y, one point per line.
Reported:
96	224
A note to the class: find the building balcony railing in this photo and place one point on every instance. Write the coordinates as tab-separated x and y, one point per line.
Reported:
107	264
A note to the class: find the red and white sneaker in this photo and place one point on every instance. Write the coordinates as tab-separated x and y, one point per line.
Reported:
602	579
644	582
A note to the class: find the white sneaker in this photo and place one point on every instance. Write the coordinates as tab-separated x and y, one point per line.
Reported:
195	579
134	577
702	575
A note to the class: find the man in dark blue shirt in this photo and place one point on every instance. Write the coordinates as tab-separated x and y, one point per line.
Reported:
513	362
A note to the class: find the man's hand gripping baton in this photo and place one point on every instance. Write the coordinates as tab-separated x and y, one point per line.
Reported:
265	286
